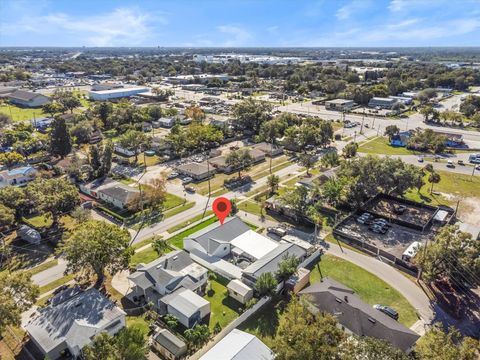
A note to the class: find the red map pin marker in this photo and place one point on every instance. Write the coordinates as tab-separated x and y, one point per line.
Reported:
221	207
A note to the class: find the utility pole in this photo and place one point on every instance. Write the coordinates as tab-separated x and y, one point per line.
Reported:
473	171
363	119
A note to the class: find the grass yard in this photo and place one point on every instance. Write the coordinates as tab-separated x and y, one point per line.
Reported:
21	114
179	209
370	288
140	322
39	221
172	201
223	308
177	240
188	222
54	284
145	256
380	145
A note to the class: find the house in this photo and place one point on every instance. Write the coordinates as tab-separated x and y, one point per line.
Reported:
404	99
118	195
91	188
28	98
269	149
17	177
116	93
410	94
401	139
339	104
299	280
164	122
239	345
165	275
236	251
168	345
187	306
239	291
383	103
356	316
451	139
72	321
257	155
197	171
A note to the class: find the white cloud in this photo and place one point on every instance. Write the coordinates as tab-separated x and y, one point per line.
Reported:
351	8
238	35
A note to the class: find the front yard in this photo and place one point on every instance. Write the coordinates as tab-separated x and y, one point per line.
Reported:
380	145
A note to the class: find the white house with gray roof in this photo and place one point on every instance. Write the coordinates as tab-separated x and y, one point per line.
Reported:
71	322
28	98
164	276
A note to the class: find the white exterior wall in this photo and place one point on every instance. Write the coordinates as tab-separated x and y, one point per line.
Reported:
97	95
111	200
240	298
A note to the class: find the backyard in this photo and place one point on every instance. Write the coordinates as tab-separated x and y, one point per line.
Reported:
223	309
21	114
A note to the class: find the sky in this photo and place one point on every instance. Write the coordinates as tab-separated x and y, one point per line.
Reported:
239	23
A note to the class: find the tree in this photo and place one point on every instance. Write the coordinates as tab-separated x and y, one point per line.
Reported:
453	254
159	245
369	348
269	131
273	181
438	344
14	198
60	141
133	140
287	267
350	150
433	178
17	294
129	344
10	159
197	336
55	196
266	284
428	112
250	114
195	113
103	111
94	159
330	159
81	132
307	336
171	321
81	215
316	217
7	216
239	160
5	120
391	131
52	108
106	159
296	199
307	161
95	247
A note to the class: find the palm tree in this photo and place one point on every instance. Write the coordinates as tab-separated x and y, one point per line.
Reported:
316	218
160	246
433	178
273	181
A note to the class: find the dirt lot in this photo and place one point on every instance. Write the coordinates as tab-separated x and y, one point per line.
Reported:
413	214
395	241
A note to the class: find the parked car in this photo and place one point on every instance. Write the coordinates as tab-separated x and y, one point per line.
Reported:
450	164
172	175
420	159
190	189
386	310
277	231
187	180
460	162
400	209
362	219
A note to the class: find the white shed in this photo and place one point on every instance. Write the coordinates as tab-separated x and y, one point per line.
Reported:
239	291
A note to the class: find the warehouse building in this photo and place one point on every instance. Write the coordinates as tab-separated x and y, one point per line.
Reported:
116	93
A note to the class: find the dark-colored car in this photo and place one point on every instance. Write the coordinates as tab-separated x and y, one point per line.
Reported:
387	311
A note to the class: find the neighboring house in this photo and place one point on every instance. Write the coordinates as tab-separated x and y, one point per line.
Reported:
17	177
383	103
168	345
5	91
356	316
72	321
221	123
339	104
452	140
257	155
404	99
237	252
239	345
188	307
239	291
91	188
165	275
118	195
220	162
401	139
28	98
197	171
164	122
268	149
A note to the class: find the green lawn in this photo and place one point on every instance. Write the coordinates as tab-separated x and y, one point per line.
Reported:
223	309
140	322
39	221
145	256
188	222
380	145
177	240
172	200
370	288
21	114
54	284
179	209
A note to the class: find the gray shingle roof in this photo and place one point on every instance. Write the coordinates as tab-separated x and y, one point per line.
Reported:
170	342
122	193
24	95
357	316
215	234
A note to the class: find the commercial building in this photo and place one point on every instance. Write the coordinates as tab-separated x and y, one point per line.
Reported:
197	171
72	321
116	93
339	104
28	98
383	103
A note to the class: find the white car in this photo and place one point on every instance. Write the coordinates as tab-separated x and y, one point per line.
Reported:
187	180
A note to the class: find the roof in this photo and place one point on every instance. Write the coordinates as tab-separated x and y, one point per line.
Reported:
339	101
120	90
185	301
269	262
74	321
174	265
194	168
266	147
254	244
24	95
231	228
357	316
120	192
440	215
239	287
170	342
20	171
239	345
